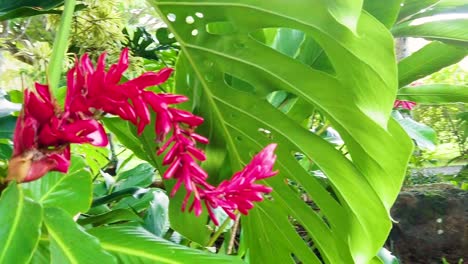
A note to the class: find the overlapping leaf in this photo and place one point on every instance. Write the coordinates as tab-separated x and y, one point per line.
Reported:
136	245
224	45
20	223
71	192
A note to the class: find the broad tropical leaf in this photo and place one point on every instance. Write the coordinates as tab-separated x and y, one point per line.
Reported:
137	245
412	7
385	11
69	244
424	136
20	225
431	58
114	216
435	93
71	192
42	253
224	45
140	176
446	22
25	8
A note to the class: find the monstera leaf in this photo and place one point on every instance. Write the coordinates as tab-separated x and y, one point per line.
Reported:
229	69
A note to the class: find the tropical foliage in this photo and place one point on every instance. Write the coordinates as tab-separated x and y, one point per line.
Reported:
317	78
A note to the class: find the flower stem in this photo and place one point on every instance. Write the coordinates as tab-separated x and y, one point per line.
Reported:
60	46
218	232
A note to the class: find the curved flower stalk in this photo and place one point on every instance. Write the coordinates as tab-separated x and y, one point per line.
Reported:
44	133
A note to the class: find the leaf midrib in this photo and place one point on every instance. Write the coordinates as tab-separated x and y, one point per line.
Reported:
62	245
138	253
51	190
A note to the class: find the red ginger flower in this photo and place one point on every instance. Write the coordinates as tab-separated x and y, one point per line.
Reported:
43	135
404	104
241	191
92	91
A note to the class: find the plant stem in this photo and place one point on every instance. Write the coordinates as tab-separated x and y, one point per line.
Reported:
60	46
218	232
233	235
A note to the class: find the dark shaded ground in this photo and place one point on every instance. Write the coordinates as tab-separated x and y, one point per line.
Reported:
432	224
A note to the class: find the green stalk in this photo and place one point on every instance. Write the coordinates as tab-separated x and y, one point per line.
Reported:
219	232
60	46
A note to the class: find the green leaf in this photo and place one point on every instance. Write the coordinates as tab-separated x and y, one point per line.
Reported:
442	27
424	136
140	176
7	126
346	12
6	150
126	135
431	58
20	224
42	253
385	11
114	216
136	245
157	216
71	192
357	100
162	35
25	8
69	244
412	7
435	93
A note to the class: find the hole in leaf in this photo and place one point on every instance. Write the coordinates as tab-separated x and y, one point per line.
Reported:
170	35
199	14
282	100
220	28
194	32
238	84
266	133
189	20
171	17
297	45
306	237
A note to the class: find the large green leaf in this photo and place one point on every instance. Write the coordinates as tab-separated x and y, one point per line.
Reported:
42	253
69	244
435	93
345	12
24	8
448	27
385	11
140	176
424	136
412	7
71	191
20	223
357	99
136	245
427	60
